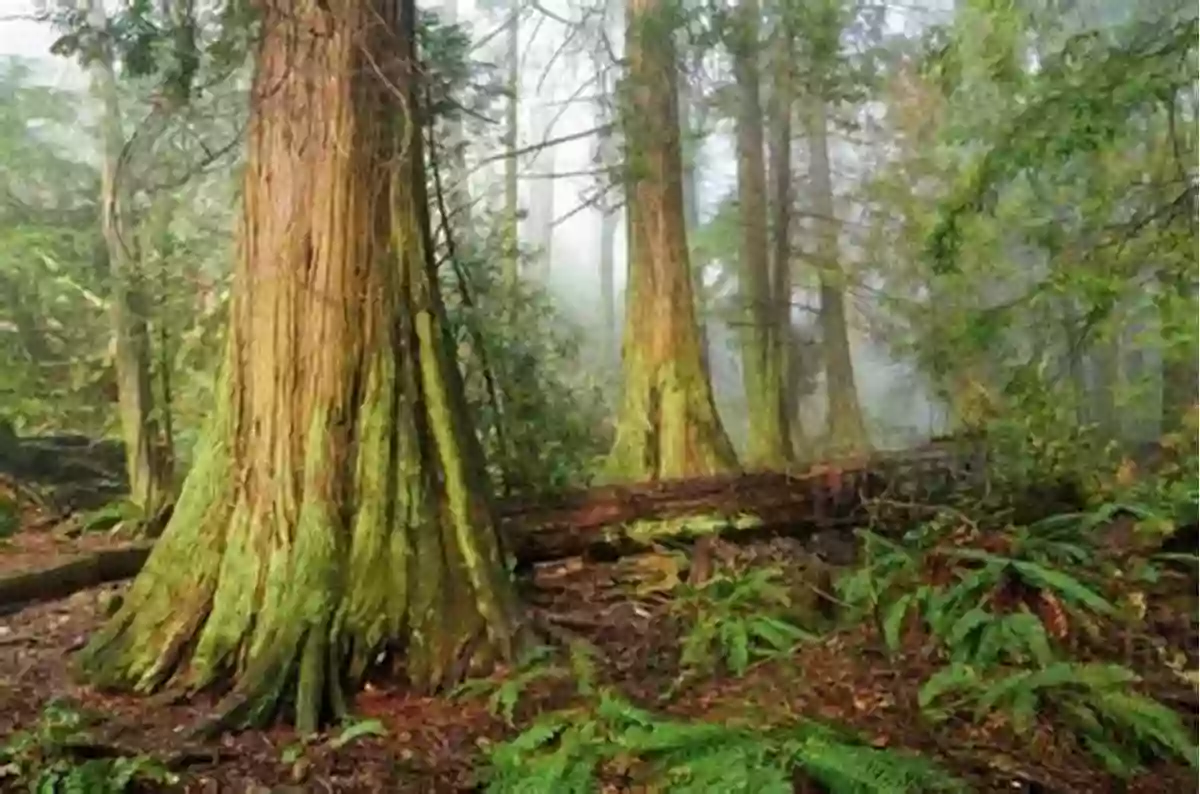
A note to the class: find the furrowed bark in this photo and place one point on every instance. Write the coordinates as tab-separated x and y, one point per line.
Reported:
337	508
668	424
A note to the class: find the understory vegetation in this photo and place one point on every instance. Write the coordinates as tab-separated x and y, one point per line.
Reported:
1031	630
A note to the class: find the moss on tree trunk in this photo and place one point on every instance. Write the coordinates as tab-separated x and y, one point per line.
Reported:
667	424
336	510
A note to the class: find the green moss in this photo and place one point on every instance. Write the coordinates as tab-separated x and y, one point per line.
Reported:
288	596
668	426
687	527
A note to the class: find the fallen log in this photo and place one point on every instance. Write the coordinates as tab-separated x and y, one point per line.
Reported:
18	590
615	521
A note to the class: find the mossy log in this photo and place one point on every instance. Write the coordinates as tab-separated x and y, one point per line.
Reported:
75	574
615	521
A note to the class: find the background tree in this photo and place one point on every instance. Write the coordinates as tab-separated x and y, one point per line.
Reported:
148	451
769	439
668	424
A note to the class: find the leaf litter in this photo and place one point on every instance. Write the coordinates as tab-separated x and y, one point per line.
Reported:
401	742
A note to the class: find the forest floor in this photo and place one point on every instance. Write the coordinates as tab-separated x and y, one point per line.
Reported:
413	744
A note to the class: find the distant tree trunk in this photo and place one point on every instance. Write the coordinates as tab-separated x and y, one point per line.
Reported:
691	123
768	441
1181	357
455	150
782	357
668	424
541	201
608	289
605	159
1106	386
337	510
160	241
512	197
845	428
148	462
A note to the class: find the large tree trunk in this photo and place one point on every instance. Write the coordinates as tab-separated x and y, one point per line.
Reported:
147	459
337	509
845	429
668	424
768	440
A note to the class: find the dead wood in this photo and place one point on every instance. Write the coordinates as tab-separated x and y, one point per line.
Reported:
614	521
618	521
79	573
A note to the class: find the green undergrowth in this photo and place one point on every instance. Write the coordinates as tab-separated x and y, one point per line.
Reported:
604	737
58	754
1007	613
727	623
735	619
1017	620
571	750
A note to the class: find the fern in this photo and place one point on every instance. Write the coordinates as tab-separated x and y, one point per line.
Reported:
1114	723
45	758
1001	656
735	620
564	751
538	664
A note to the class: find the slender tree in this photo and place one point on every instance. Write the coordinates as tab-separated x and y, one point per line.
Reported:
148	458
337	510
605	157
668	424
769	442
512	197
845	429
783	358
541	200
452	157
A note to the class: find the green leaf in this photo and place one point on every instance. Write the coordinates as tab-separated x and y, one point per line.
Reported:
1070	588
894	620
357	730
946	680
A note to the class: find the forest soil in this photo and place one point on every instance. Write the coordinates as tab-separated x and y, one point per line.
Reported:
435	744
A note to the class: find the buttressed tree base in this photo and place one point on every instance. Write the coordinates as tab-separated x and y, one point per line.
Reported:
337	507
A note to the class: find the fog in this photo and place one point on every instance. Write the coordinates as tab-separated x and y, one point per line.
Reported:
558	185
